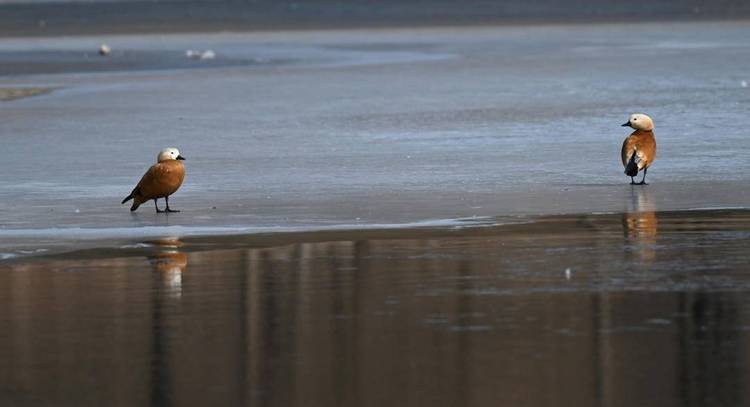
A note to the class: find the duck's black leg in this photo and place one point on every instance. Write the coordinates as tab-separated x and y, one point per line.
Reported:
643	181
632	181
156	205
166	198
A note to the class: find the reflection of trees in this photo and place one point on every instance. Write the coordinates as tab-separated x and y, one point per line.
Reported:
451	321
350	330
710	339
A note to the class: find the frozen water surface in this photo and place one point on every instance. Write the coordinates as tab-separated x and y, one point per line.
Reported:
310	129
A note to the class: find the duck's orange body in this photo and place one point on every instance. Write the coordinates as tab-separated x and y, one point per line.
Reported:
643	144
639	148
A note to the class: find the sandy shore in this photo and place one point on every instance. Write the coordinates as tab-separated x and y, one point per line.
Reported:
7	94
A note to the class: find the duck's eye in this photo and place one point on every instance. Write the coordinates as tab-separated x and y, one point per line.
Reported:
635	120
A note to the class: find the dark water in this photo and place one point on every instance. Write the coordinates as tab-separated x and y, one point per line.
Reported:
54	17
643	308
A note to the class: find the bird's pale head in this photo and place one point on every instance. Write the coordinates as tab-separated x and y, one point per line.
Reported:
640	121
169	153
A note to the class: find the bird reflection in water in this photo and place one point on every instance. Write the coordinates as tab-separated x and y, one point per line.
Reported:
640	224
169	263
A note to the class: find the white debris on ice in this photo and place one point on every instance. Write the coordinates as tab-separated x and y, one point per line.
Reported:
202	55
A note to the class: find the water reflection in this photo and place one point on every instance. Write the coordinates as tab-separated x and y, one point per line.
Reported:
169	264
483	318
640	225
712	337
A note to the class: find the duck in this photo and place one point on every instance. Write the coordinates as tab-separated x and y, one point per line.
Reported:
160	181
639	148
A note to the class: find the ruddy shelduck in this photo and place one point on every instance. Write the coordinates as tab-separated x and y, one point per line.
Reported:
639	148
160	181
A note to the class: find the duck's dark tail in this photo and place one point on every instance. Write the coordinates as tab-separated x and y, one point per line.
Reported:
131	196
631	170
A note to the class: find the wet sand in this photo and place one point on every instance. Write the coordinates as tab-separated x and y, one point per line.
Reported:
639	308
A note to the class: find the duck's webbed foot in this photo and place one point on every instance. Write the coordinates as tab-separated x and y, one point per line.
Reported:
168	209
643	181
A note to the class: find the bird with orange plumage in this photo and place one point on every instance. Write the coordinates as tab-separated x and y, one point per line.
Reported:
639	148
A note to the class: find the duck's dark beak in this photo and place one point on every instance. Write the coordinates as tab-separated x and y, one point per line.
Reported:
626	124
179	157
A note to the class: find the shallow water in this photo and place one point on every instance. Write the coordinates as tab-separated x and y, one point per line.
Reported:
641	308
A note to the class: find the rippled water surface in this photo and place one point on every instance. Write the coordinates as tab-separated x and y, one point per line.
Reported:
640	308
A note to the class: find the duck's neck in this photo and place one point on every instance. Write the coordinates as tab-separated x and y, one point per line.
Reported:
643	133
171	162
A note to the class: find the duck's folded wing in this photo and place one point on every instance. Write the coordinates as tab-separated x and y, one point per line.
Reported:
628	148
155	182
